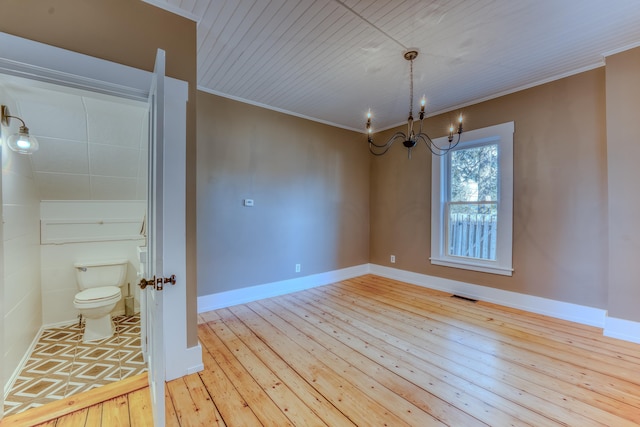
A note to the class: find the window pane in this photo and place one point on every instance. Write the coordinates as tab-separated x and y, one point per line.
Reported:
474	174
472	230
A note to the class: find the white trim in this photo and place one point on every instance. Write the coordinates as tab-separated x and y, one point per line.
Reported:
627	330
279	110
190	363
14	376
562	310
268	290
173	9
502	135
40	62
621	49
471	265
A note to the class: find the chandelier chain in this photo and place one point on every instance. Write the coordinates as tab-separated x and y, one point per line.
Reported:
411	90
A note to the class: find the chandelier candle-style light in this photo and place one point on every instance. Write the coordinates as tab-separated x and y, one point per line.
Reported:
410	139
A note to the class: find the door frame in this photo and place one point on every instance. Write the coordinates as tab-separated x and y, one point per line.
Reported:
38	61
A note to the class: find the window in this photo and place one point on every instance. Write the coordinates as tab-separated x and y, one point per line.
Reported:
472	202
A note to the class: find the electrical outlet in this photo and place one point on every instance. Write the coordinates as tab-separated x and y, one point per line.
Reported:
297	268
393	259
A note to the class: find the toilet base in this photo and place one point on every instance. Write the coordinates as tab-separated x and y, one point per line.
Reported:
98	329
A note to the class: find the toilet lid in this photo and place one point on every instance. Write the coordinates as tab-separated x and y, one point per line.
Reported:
93	294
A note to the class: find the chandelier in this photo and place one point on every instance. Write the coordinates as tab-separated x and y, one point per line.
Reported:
411	138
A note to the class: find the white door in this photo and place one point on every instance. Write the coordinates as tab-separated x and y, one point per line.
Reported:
152	296
166	237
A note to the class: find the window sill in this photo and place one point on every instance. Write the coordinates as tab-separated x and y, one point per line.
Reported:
470	265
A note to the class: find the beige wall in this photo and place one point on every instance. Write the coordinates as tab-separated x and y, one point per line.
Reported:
310	185
560	187
623	154
127	32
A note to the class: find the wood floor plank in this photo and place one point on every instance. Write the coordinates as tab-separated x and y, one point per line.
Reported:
315	401
288	402
353	402
478	401
170	415
538	334
261	404
228	401
465	363
503	342
94	416
206	413
373	363
74	419
613	397
188	404
403	409
140	412
115	412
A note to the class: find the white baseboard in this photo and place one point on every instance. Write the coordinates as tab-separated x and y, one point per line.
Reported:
190	362
622	329
268	290
561	310
616	328
12	379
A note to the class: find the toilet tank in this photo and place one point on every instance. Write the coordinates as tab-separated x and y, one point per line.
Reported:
101	273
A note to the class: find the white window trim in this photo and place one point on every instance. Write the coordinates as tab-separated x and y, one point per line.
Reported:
503	264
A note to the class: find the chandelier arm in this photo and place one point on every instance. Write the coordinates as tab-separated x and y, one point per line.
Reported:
389	142
379	153
385	147
435	150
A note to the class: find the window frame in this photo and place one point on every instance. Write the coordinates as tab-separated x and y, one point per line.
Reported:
501	134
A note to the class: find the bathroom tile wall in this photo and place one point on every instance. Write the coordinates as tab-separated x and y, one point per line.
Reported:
57	259
21	291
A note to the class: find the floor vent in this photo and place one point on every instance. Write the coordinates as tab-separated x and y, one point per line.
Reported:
464	298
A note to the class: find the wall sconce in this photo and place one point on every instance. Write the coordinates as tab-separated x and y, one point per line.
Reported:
20	142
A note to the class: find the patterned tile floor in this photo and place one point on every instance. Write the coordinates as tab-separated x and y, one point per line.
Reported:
62	365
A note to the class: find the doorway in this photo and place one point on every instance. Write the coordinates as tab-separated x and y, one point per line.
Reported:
80	198
40	62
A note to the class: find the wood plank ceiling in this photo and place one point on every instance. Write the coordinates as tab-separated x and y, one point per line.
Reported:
332	60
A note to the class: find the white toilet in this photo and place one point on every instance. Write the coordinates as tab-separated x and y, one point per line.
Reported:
99	284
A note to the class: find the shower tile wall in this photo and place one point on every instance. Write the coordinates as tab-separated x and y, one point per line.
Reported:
21	295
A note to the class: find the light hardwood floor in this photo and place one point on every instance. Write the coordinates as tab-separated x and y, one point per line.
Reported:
375	352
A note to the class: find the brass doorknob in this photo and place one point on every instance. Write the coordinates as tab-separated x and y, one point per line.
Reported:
144	282
157	282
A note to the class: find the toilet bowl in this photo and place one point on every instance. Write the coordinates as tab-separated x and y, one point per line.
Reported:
99	284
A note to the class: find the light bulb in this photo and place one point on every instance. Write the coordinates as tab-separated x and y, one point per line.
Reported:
23	143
